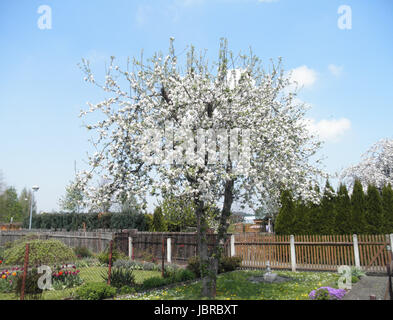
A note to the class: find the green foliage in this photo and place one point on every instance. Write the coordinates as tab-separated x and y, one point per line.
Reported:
225	264
193	264
387	207
358	206
103	257
40	252
92	221
343	210
95	291
327	214
127	290
71	202
286	214
178	275
32	291
158	221
10	206
121	277
128	220
374	211
82	252
155	282
179	214
338	213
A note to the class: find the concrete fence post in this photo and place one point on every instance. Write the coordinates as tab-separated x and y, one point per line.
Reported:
293	253
356	250
233	252
130	247
169	250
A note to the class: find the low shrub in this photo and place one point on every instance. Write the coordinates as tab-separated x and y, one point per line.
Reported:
87	262
95	291
194	266
40	252
121	277
225	264
229	264
103	257
174	277
82	252
155	282
32	291
127	290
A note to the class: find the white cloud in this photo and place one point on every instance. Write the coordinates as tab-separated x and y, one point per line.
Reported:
335	70
267	1
329	130
303	77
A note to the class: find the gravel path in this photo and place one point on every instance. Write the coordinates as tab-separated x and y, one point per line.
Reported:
368	285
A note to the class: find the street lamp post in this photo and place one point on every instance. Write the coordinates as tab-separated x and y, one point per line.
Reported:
35	188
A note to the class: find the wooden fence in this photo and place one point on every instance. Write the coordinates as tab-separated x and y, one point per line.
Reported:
178	246
314	252
94	241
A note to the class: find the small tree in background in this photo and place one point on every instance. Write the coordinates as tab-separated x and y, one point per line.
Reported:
286	215
358	208
374	211
158	223
327	214
387	206
343	211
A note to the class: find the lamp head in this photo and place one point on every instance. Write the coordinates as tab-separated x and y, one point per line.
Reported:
35	188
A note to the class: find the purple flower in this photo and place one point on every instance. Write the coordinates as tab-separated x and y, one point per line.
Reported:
334	294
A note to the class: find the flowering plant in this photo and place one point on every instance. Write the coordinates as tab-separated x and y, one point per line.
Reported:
8	279
66	276
327	293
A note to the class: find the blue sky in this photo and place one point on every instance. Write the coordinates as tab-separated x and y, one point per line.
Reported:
347	74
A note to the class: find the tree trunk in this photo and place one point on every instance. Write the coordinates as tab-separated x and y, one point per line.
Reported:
208	266
209	260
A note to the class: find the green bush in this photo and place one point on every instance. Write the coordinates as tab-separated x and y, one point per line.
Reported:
183	275
225	264
32	291
229	264
155	282
95	291
127	290
121	277
82	252
103	257
194	266
40	252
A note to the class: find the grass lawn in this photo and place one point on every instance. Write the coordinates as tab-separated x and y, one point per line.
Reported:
235	286
88	274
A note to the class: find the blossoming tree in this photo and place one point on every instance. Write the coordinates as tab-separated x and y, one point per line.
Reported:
209	133
375	168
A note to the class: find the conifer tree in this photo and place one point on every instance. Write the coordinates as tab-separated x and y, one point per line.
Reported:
313	213
327	214
286	214
374	211
158	220
343	211
300	223
387	206
358	218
